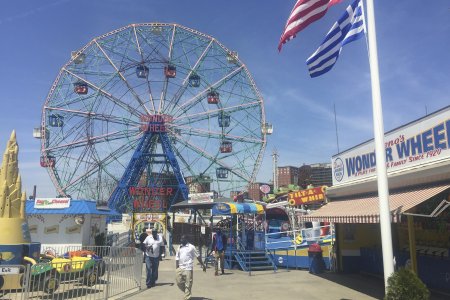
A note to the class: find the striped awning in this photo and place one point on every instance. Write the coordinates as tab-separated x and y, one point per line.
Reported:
237	208
366	210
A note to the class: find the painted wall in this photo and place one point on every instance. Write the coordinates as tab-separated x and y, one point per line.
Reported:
57	230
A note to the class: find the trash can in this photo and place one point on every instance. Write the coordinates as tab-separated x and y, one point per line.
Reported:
316	263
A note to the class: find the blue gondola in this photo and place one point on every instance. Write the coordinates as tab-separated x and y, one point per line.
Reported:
55	120
224	120
142	71
222	173
194	80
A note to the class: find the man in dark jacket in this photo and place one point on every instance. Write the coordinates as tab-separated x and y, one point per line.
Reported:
219	245
142	238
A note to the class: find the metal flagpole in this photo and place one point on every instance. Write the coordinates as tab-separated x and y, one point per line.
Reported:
378	128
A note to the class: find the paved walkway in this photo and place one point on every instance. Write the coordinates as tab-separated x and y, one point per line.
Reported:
235	284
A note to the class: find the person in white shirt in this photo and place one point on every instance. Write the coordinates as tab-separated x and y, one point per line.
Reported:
185	265
152	244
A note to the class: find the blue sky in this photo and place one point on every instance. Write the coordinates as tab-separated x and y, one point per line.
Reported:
413	46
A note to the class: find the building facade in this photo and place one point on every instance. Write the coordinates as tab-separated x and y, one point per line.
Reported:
287	175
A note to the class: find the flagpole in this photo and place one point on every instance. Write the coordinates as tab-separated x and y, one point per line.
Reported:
378	128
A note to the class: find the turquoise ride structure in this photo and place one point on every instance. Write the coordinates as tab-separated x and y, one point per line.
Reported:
141	114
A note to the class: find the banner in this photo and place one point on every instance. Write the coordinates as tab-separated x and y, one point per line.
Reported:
51	203
201	198
308	196
419	143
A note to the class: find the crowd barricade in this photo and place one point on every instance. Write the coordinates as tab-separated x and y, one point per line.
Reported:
89	272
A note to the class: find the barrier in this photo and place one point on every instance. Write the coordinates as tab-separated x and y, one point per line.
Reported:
74	273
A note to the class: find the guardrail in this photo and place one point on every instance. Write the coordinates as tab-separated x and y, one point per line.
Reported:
292	238
74	273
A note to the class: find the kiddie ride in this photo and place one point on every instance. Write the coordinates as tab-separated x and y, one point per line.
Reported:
21	265
48	271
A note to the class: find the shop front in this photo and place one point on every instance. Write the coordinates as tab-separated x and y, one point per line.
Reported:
418	165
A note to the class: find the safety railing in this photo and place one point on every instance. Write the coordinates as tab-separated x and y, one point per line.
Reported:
74	273
293	238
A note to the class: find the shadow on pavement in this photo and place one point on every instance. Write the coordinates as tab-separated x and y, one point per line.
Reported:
366	284
200	298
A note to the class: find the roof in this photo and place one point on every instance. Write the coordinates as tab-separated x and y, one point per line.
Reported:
77	207
206	205
366	209
237	208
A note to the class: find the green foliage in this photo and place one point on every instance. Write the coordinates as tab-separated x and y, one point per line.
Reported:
405	285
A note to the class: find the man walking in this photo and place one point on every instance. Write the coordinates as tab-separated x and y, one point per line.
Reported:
185	264
219	246
153	244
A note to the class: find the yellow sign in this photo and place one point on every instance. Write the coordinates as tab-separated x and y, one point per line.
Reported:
307	196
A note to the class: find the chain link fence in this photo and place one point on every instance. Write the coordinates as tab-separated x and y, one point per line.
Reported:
74	273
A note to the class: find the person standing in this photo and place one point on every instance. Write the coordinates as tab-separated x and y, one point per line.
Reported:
185	265
142	238
153	244
219	245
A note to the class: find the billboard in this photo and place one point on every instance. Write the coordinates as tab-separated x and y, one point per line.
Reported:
51	203
201	198
420	143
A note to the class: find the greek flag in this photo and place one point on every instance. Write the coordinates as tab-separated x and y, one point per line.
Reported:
348	28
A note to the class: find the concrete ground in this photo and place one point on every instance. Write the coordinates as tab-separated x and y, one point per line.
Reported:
291	284
235	284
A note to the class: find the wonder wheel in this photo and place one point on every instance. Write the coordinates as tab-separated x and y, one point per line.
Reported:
108	94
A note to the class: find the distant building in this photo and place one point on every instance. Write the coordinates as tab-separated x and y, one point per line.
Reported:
198	184
287	175
255	193
316	174
321	174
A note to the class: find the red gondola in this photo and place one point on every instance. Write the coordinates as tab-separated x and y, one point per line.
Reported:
48	161
170	71
226	147
81	88
213	98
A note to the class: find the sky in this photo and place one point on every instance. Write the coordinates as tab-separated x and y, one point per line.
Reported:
413	48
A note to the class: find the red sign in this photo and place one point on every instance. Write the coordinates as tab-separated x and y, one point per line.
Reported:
143	204
307	196
150	191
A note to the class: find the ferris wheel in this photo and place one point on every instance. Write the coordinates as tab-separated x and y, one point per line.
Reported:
93	117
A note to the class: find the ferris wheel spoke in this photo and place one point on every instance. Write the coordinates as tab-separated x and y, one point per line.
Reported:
133	92
185	163
182	89
185	107
118	152
150	95
117	135
187	119
215	134
115	100
166	79
211	158
95	116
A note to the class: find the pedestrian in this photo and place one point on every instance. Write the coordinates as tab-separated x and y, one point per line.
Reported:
142	238
152	245
219	245
185	265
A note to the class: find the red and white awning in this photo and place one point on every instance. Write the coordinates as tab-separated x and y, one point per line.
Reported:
366	210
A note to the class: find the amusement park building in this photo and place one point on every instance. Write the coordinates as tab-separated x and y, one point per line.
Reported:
254	191
418	164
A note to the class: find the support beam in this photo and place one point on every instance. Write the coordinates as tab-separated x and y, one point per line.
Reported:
412	243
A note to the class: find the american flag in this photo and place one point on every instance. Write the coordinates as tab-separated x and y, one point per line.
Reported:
304	13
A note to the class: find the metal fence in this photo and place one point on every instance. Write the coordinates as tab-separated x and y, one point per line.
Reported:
74	273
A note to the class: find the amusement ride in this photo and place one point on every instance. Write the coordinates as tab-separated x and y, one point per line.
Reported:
152	105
